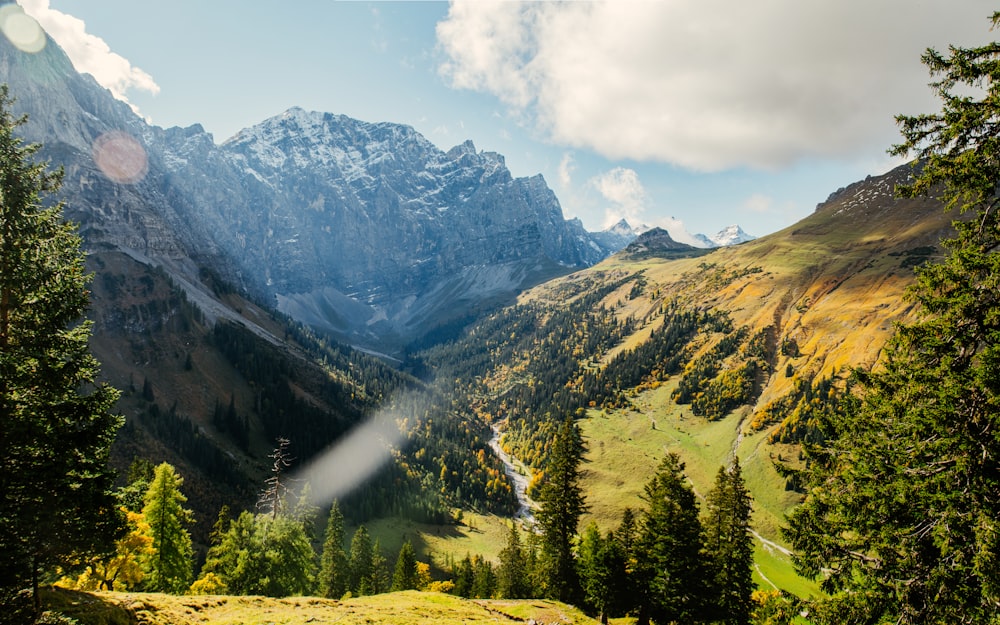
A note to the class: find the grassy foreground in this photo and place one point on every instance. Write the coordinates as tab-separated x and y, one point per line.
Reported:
409	608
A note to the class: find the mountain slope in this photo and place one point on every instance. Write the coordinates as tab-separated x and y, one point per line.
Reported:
360	229
729	351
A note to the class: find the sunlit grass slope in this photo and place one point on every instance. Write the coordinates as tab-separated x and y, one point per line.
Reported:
400	608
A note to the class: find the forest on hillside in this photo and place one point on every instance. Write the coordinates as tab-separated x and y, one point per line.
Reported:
899	478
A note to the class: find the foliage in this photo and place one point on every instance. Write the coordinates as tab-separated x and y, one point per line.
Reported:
56	424
123	569
259	554
333	569
671	564
169	566
512	576
364	576
601	564
903	508
729	545
562	503
406	575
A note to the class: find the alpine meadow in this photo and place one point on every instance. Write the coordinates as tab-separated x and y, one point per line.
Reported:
325	371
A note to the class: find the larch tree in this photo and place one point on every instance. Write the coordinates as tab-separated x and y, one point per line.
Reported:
562	503
169	566
56	425
729	545
902	516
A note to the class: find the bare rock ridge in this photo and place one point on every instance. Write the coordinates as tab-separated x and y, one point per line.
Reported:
364	229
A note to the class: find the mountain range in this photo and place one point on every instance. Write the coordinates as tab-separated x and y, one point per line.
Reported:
228	277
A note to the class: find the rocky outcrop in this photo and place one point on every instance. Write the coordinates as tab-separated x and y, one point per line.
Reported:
364	229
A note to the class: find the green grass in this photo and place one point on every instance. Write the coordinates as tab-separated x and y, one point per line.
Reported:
438	544
400	608
625	450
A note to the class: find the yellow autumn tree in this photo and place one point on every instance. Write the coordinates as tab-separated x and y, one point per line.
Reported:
123	569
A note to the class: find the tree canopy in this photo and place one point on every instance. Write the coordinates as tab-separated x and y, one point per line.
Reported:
56	425
902	518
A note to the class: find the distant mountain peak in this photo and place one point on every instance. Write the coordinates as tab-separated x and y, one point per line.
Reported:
731	235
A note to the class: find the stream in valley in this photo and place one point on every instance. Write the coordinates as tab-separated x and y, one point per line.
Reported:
519	476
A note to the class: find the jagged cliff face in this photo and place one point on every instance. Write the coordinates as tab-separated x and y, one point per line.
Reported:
364	229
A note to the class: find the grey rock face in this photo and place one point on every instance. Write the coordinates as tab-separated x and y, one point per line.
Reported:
365	229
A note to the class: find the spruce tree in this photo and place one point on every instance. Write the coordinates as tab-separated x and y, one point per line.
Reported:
562	503
729	545
169	567
405	576
56	424
902	515
334	571
362	580
671	563
512	575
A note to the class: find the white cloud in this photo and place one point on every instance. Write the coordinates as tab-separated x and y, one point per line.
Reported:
621	186
90	54
709	84
566	168
759	203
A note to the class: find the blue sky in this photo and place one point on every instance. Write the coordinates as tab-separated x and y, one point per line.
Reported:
688	114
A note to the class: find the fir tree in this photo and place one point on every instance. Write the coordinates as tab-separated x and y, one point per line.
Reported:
362	580
601	562
169	567
902	516
56	425
334	571
729	545
405	576
512	576
562	503
671	564
464	577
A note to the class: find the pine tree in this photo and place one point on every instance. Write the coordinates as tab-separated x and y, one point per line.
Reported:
512	576
601	562
362	580
902	515
464	577
169	567
729	545
405	576
562	503
670	546
334	570
56	424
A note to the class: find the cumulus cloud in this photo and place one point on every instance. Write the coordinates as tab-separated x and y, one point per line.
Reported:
708	84
90	54
566	168
621	186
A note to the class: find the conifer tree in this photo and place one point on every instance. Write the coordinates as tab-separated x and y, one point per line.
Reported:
362	580
334	571
729	545
169	567
512	575
562	503
464	577
601	563
902	515
56	424
406	576
670	546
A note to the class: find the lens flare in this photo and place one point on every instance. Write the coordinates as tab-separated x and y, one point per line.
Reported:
21	29
120	157
349	462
